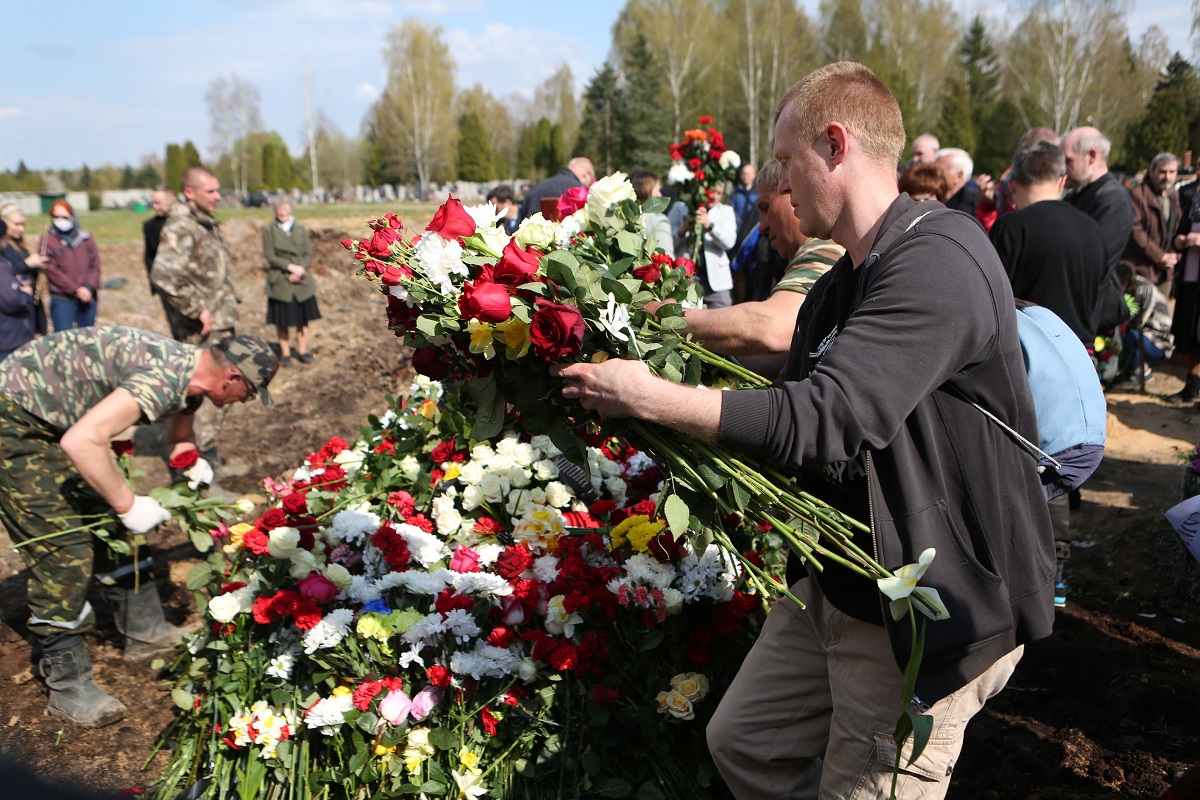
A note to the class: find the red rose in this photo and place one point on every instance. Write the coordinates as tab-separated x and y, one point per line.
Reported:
687	265
442	453
650	273
571	201
274	518
513	561
557	330
488	720
695	163
604	697
295	504
501	636
486	302
428	361
699	175
185	459
516	266
380	245
452	222
318	588
601	507
706	120
394	276
122	448
401	315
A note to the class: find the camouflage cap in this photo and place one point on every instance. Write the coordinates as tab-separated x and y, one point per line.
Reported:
254	358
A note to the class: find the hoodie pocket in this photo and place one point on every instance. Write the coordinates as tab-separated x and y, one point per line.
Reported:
931	526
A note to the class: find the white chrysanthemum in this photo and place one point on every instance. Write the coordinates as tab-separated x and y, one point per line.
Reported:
327	713
412	656
609	468
638	463
302	473
362	589
352	526
488	553
461	625
425	629
569	226
680	173
558	495
616	490
425	547
645	570
281	666
439	259
485	661
480	583
729	160
536	231
485	215
545	568
327	633
415	581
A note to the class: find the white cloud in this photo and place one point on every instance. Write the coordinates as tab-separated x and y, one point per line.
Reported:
12	111
366	92
496	57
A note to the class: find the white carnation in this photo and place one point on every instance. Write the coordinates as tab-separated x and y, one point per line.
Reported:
329	631
328	712
545	568
439	259
425	547
480	583
680	173
352	526
729	160
485	661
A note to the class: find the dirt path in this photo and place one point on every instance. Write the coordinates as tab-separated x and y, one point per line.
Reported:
1104	708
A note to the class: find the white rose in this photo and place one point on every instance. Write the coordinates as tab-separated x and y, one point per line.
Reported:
610	469
410	467
494	487
448	522
501	462
523	454
282	542
543	445
494	238
350	460
518	477
339	576
679	173
472	497
245	506
545	470
303	562
536	231
606	191
471	472
729	160
673	600
223	608
527	670
558	495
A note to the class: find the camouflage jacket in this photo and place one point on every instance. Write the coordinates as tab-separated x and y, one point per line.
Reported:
192	270
812	260
59	378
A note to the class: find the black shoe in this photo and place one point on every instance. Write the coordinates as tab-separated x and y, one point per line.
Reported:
1189	392
305	358
286	361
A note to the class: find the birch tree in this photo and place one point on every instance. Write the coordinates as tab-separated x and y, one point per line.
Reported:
234	112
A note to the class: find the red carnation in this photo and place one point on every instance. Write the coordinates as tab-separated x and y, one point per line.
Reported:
486	525
604	696
488	720
365	693
402	501
448	600
705	120
601	507
185	459
438	675
307	614
501	636
452	222
256	541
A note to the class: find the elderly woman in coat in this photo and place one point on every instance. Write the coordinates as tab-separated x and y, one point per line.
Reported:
291	287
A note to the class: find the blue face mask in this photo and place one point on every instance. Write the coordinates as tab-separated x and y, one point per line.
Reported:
64	225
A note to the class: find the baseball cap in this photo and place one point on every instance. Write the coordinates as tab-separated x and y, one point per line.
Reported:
254	358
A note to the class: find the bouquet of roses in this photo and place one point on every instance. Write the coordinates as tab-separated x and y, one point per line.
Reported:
700	165
420	613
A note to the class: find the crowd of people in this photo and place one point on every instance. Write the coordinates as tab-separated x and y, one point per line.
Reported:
832	269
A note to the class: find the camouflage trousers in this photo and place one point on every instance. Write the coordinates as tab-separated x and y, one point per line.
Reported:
41	494
209	419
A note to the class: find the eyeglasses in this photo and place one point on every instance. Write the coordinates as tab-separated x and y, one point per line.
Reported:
251	389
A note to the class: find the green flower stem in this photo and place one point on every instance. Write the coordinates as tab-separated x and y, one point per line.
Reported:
89	527
759	577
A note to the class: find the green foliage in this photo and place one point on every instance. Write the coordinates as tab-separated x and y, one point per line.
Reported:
550	154
956	127
1171	119
527	152
644	131
843	30
998	138
982	67
601	120
476	160
127	177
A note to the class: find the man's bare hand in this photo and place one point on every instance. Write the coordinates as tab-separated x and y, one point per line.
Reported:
206	322
610	389
987	187
83	294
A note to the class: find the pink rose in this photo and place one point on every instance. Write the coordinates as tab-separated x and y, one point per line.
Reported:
464	560
396	707
571	201
318	588
425	701
512	611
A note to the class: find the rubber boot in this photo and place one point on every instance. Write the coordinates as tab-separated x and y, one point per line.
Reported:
1189	392
139	617
68	672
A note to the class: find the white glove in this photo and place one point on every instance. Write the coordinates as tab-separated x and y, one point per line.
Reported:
145	515
199	473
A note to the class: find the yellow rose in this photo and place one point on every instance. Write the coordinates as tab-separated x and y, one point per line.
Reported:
675	704
692	685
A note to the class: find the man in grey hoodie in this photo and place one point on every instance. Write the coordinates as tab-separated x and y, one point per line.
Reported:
893	347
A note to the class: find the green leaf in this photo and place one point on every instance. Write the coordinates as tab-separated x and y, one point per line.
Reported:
489	417
711	478
201	540
433	787
652	640
676	324
430	326
677	514
655	205
613	787
741	495
443	738
693	373
560	267
535	287
183	698
592	763
617	289
199	576
630	243
668	310
922	725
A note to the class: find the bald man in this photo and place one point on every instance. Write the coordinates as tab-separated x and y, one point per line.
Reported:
578	172
1095	191
925	149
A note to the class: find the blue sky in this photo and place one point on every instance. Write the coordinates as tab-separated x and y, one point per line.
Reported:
109	82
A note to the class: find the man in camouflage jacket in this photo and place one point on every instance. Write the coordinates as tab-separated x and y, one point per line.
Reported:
63	399
192	275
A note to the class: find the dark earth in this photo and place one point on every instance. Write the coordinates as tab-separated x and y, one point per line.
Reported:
1106	707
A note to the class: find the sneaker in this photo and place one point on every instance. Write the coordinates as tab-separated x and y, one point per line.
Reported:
305	358
1060	593
286	361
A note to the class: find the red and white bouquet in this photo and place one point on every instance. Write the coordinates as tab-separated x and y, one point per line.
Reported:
700	164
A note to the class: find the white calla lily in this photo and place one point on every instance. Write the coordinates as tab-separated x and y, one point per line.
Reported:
903	584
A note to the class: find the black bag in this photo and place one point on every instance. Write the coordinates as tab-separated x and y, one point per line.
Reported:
1111	309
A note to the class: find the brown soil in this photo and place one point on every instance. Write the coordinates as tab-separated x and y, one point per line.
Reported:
1103	708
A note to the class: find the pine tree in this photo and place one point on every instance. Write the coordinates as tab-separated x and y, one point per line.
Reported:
127	177
644	132
527	153
85	178
175	165
191	156
843	30
601	120
147	177
476	161
998	138
982	67
1170	119
956	127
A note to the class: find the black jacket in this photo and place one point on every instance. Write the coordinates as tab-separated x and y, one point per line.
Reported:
554	186
934	328
1108	202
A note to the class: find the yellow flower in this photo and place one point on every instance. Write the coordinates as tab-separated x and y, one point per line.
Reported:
640	536
600	356
384	749
417	748
675	704
483	338
429	409
452	472
516	336
374	626
617	535
467	759
692	685
342	691
236	534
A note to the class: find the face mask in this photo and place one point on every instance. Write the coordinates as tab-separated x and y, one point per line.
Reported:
64	225
287	226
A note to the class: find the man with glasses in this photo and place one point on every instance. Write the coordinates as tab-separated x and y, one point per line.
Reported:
63	399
